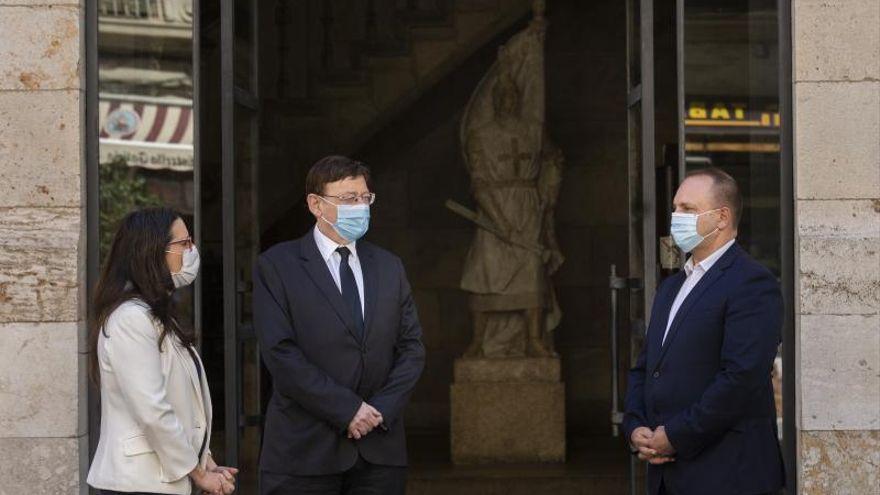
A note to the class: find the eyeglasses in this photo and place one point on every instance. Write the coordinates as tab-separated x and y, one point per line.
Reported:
185	243
353	199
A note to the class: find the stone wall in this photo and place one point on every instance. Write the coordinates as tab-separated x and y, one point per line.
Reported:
42	398
837	167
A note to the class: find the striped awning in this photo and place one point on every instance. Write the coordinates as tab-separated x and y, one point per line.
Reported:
149	133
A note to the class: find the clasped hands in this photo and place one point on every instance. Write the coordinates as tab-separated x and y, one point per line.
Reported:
214	480
365	420
653	445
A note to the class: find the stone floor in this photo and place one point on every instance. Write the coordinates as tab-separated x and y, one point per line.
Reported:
596	465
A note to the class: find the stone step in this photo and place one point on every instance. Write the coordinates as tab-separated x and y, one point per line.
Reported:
422	17
343	91
384	48
476	5
397	62
432	33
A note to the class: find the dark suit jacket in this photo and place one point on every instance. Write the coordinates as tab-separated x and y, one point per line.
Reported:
709	383
321	371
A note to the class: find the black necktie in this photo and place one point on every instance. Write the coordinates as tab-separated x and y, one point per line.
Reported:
350	290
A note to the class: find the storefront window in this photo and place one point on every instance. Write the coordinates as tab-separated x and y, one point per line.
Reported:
145	113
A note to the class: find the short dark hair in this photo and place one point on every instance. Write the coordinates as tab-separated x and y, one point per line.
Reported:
334	168
725	189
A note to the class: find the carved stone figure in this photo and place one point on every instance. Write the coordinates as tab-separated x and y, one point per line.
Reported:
515	174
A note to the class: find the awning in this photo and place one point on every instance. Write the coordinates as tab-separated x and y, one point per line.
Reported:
151	133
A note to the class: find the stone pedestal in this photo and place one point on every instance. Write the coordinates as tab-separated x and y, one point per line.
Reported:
507	410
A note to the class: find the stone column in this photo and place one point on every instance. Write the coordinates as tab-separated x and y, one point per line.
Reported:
837	166
42	259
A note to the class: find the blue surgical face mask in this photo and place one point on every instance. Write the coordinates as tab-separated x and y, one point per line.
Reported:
684	230
352	221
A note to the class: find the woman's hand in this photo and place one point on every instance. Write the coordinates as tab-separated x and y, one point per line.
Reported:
211	482
228	472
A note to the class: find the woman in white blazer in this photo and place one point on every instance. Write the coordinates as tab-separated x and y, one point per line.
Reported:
155	403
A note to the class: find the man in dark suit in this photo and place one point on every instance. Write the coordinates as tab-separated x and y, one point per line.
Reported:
699	404
339	333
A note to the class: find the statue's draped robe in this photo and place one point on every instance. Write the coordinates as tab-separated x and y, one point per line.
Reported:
505	161
504	172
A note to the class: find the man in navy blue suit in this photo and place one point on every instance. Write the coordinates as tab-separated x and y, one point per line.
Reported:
340	335
699	404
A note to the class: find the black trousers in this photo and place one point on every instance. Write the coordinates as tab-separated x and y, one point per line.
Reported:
362	479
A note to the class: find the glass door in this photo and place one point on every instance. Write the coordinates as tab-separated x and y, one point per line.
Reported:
239	157
733	74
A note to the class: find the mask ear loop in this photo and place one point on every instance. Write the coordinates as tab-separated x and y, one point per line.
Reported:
716	228
181	260
322	198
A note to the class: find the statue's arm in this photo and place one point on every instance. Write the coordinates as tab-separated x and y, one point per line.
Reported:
549	182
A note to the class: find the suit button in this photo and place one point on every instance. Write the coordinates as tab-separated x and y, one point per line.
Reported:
363	350
656	374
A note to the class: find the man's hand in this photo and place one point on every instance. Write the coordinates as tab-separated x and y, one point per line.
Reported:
658	450
641	441
640	438
366	418
646	442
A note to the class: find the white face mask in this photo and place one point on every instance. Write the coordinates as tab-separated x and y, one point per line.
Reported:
684	230
188	269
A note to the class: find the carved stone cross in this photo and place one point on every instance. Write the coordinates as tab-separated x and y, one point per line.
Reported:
515	156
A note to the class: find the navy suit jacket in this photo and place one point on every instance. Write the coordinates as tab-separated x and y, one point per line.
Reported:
709	383
321	370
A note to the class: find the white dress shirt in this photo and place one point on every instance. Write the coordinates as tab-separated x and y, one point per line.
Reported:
327	247
693	276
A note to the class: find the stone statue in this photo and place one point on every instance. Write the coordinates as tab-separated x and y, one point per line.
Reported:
515	175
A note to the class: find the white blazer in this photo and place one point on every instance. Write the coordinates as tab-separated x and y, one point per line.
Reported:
155	411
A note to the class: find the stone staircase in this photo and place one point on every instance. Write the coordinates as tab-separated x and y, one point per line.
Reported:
365	68
384	74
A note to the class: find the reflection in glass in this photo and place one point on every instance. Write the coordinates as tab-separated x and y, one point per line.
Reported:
145	74
732	109
732	116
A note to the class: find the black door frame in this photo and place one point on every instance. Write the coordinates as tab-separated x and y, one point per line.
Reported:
236	330
787	230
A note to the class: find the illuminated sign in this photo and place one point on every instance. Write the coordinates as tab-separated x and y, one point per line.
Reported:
724	114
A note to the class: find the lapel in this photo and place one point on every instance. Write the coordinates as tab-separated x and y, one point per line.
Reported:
690	301
664	307
371	273
206	392
189	366
317	270
207	409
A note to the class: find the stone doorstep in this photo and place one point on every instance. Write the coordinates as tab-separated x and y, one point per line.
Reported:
530	370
